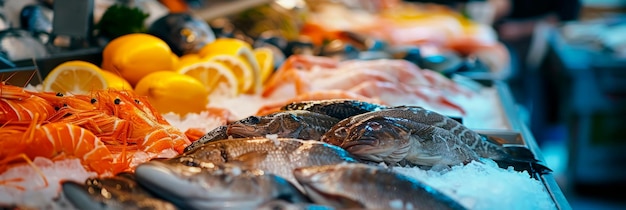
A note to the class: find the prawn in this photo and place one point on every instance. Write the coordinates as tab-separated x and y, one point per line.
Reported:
16	104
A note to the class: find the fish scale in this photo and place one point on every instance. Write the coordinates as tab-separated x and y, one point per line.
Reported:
418	114
337	108
299	124
278	156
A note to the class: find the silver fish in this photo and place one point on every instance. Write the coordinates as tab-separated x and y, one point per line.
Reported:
370	187
118	192
300	124
214	186
277	156
414	134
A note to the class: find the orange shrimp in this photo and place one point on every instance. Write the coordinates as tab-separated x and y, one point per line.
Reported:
58	100
16	104
148	129
59	141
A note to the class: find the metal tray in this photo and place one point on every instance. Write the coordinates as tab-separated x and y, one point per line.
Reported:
520	134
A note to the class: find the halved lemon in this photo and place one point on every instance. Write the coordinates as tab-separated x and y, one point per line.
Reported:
75	77
241	69
213	75
238	48
265	58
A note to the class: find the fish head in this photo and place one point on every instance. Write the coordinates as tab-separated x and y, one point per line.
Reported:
207	153
284	124
253	126
207	187
378	139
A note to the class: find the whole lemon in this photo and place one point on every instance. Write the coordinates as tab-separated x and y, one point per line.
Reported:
115	81
134	56
169	91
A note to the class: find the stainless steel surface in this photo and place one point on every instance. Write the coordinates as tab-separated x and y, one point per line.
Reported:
517	125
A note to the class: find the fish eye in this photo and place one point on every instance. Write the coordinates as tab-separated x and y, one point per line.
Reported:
253	120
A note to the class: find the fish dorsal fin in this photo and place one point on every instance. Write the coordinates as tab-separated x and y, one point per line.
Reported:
250	158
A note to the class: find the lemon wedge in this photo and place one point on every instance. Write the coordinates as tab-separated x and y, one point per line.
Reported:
213	75
169	91
265	58
75	77
237	48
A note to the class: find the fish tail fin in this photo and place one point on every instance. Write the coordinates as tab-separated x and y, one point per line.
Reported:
521	158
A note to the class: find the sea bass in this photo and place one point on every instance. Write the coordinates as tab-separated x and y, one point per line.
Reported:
214	186
118	192
413	135
358	186
300	124
337	108
216	134
278	156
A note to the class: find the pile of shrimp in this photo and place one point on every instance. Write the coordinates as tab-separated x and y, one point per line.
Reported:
110	131
385	81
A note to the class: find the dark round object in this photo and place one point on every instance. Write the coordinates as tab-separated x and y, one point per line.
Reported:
182	32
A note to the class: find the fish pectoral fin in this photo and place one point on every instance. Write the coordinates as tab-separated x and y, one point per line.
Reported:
250	158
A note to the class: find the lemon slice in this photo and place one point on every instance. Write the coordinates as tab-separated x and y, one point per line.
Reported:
265	58
75	77
213	75
115	81
242	71
238	48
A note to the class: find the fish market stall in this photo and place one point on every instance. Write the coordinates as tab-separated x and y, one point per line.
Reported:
224	127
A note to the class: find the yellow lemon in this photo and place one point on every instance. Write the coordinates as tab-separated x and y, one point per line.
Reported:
169	91
265	58
75	77
135	55
116	82
188	59
238	48
213	75
243	72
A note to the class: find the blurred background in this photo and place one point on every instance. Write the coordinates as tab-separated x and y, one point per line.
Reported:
563	60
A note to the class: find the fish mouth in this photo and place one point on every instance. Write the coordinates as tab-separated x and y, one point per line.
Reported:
363	146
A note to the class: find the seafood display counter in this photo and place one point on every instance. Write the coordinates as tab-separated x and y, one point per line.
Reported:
265	136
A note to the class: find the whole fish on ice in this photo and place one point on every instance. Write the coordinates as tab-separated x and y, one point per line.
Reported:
119	192
361	186
278	156
416	136
201	185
